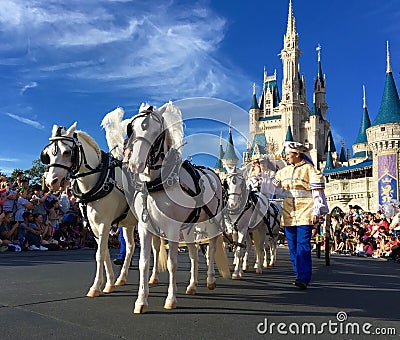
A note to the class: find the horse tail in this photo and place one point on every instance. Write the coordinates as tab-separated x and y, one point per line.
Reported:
221	259
162	257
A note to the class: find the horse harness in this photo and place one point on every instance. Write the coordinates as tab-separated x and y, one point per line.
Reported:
169	172
104	185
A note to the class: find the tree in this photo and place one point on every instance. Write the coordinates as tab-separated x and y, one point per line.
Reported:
35	174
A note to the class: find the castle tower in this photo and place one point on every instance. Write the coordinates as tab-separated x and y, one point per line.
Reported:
320	88
272	116
254	112
230	158
360	147
384	142
218	167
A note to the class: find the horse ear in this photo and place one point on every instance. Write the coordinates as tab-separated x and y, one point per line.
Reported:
71	130
54	130
245	170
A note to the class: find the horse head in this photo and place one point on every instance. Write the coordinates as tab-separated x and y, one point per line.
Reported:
151	133
60	155
236	185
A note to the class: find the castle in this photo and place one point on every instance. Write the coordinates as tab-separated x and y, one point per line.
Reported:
367	179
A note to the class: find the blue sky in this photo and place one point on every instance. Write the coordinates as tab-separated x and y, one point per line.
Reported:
65	61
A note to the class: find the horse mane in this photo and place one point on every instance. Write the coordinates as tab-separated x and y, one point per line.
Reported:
115	129
88	139
173	125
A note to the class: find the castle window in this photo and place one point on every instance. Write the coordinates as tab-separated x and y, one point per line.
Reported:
383	128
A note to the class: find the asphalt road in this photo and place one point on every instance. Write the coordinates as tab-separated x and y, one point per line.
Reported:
42	296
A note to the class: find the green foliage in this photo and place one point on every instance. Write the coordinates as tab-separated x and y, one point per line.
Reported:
34	174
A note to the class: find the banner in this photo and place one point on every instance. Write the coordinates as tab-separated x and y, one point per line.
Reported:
387	178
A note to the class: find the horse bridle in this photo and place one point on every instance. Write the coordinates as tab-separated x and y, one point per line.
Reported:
78	156
156	151
235	177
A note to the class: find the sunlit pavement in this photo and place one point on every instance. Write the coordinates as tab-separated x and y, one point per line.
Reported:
43	296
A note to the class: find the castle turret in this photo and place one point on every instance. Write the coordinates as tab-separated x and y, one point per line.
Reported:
230	158
254	112
320	88
218	167
360	146
384	141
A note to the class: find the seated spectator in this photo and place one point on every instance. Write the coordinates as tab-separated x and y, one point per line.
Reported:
368	247
22	205
31	232
63	237
8	229
45	228
53	214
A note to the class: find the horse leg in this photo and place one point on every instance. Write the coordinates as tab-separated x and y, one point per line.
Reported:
212	246
156	244
170	301
110	286
272	248
235	239
259	240
240	254
191	289
130	247
266	246
141	303
102	248
245	264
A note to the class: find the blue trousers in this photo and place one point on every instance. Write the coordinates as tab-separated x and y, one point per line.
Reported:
299	242
122	245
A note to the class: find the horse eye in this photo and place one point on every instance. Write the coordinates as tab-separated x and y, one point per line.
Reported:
129	130
66	153
145	123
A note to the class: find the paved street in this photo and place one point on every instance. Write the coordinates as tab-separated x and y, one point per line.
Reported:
43	296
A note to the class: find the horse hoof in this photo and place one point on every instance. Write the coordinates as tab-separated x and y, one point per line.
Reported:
93	293
235	276
190	291
265	265
120	282
241	274
141	309
258	271
108	289
170	305
211	286
245	267
153	281
272	264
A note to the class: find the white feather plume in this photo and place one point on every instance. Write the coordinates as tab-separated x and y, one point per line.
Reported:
173	123
115	129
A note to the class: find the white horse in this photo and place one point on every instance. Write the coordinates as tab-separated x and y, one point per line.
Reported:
97	182
185	200
248	212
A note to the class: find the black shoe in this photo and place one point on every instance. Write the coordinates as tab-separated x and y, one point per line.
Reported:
301	284
118	262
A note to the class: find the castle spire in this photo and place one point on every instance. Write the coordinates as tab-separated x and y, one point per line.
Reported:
291	25
365	122
388	68
254	104
389	111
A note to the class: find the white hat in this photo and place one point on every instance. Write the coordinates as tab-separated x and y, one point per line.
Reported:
294	147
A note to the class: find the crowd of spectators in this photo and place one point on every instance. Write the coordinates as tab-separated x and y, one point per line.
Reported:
367	234
33	219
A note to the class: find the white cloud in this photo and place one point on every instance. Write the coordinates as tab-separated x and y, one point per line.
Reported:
27	121
28	86
168	50
5	159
